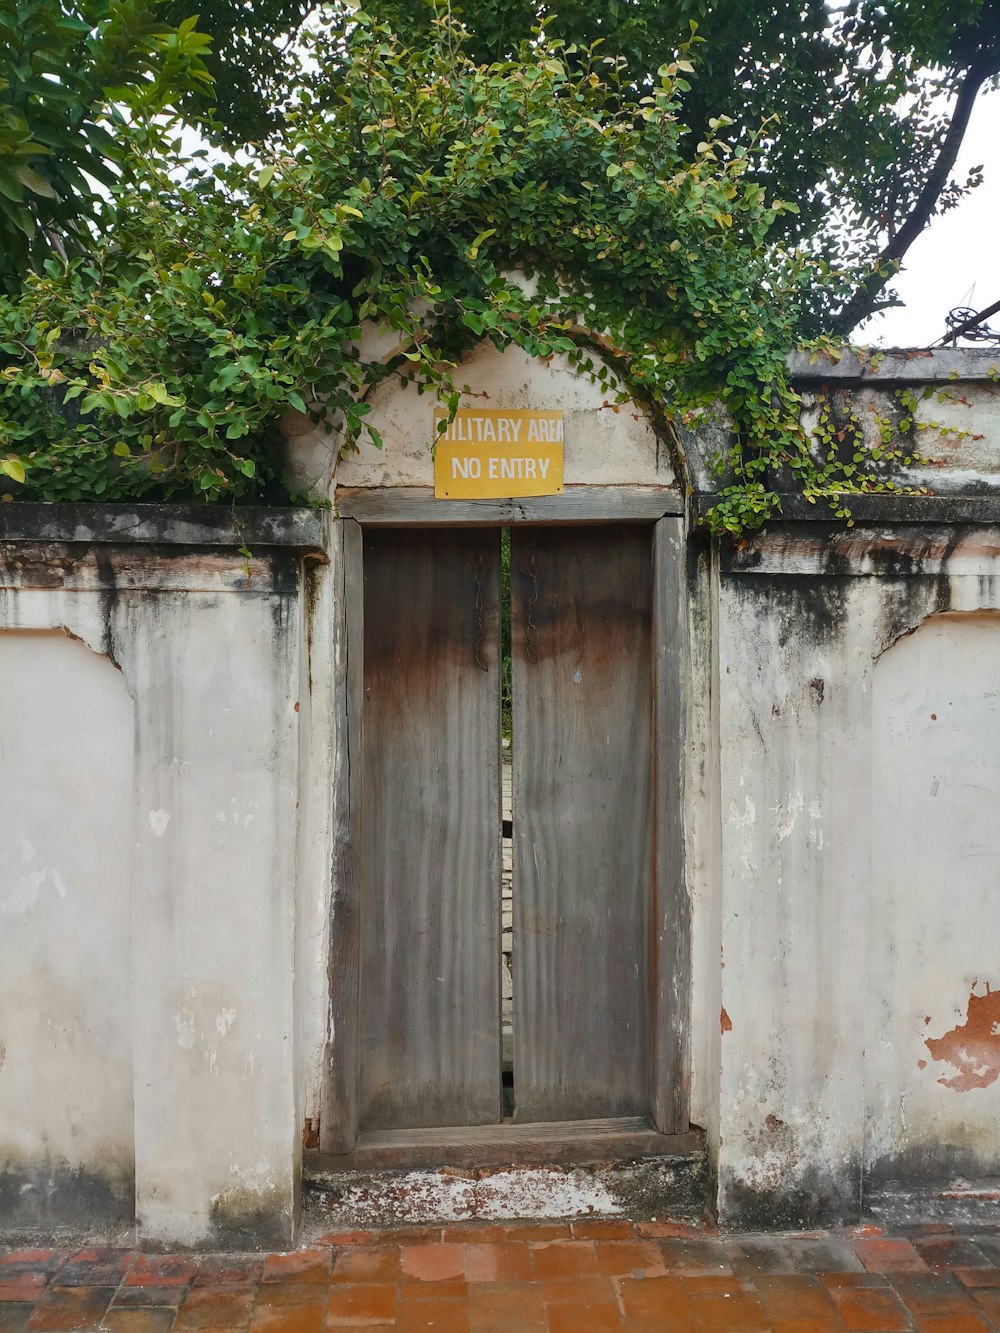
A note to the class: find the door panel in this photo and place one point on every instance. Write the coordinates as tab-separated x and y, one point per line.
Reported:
430	858
581	659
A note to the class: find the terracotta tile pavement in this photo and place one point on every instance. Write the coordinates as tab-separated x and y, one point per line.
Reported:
590	1276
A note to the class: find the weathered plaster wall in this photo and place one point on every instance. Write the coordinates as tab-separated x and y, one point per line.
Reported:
858	867
933	1085
605	444
199	967
66	1122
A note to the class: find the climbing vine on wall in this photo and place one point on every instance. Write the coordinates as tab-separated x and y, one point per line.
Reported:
543	203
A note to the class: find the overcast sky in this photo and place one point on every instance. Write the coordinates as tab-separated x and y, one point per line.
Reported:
956	262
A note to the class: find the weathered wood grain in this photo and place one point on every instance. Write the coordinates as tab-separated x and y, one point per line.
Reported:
339	1118
404	506
582	841
670	1080
430	968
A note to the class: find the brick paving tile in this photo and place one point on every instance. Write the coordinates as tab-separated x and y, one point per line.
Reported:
951	1252
432	1263
24	1287
70	1307
360	1304
634	1258
137	1321
952	1323
794	1296
588	1290
653	1298
869	1310
292	1293
988	1301
761	1254
473	1233
590	1316
288	1318
931	1293
435	1313
990	1246
411	1236
147	1297
832	1325
888	1255
978	1277
30	1261
733	1313
349	1238
861	1279
594	1229
538	1231
300	1266
161	1270
93	1268
695	1256
824	1254
501	1308
366	1263
670	1231
223	1270
206	1308
14	1318
509	1261
564	1258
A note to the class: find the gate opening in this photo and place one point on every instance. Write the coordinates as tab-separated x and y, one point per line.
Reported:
507	841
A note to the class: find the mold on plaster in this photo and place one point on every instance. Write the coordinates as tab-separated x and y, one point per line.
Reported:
41	1195
971	1048
248	1218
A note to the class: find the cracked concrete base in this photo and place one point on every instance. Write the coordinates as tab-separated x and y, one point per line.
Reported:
653	1187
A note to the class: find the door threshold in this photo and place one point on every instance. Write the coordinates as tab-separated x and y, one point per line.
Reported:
554	1143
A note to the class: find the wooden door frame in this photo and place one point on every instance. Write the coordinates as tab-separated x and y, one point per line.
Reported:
405	507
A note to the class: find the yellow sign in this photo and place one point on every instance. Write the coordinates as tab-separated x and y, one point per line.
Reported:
495	453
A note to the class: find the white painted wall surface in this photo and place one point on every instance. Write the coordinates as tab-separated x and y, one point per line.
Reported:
66	737
858	871
935	902
205	994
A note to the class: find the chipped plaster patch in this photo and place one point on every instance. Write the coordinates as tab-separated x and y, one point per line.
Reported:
158	821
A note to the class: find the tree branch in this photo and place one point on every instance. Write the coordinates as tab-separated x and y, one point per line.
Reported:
862	303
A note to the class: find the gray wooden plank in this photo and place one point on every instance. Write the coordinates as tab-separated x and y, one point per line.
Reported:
670	1078
560	1143
431	832
339	1116
582	839
404	506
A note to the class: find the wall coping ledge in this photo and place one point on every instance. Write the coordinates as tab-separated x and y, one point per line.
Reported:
897	365
166	525
878	508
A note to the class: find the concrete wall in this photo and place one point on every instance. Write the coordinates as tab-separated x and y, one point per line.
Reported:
66	735
859	917
171	717
148	891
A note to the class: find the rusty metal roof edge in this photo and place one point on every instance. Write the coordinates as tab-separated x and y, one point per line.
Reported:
297	529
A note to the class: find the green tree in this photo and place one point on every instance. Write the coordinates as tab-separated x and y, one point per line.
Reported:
73	75
865	102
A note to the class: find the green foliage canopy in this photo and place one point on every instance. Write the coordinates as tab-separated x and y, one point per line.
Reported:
866	103
72	74
526	202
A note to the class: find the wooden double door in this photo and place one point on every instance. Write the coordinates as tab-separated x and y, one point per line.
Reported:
582	662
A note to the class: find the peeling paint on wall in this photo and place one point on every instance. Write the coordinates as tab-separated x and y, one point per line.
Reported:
972	1047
